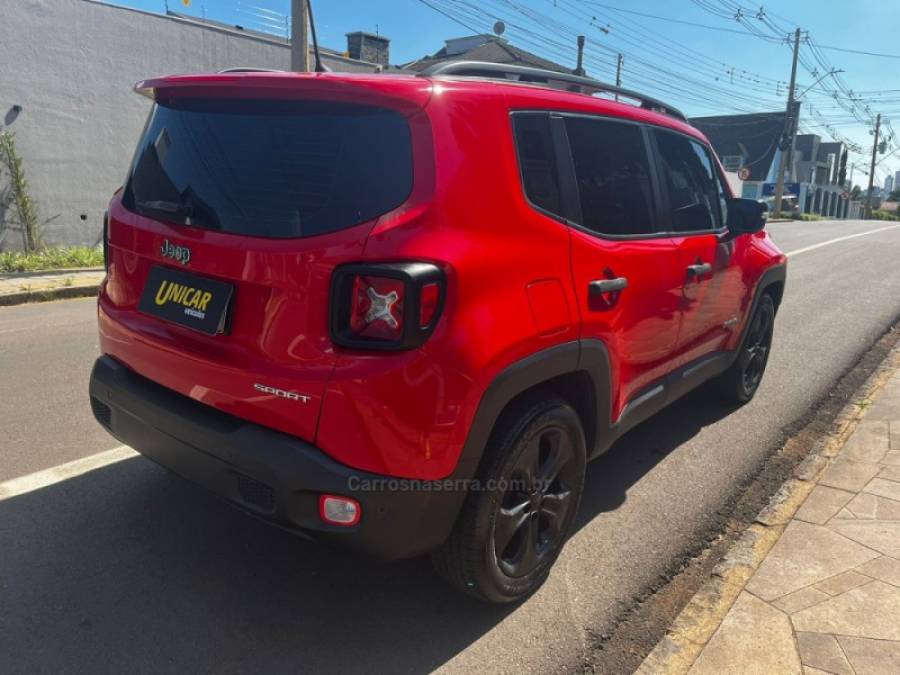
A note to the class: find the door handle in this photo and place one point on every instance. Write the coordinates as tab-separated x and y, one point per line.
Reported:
698	270
601	286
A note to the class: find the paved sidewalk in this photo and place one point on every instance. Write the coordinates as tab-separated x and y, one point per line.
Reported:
34	286
826	597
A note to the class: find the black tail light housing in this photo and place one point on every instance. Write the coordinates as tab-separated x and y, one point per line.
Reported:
106	241
386	306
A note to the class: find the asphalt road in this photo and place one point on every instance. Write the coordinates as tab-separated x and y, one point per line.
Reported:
125	568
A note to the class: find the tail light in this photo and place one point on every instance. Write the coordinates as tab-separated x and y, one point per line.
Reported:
106	241
385	306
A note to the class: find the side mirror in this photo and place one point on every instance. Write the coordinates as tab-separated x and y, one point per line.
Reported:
746	216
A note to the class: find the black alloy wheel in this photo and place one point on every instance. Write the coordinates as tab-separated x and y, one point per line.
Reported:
740	382
514	525
533	511
755	352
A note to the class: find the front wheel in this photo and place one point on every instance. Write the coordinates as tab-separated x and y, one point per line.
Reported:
515	523
740	382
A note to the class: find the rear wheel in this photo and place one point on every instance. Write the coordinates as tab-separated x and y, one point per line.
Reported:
512	529
740	382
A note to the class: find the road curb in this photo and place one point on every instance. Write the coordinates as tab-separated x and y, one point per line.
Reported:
62	293
701	617
42	273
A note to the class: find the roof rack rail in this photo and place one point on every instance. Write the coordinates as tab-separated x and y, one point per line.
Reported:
544	76
245	69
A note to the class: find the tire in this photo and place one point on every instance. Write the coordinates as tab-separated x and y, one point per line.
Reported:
507	538
739	383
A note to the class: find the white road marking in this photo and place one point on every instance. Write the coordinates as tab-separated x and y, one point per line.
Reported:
834	241
41	479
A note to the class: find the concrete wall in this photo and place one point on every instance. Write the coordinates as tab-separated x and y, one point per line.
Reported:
71	65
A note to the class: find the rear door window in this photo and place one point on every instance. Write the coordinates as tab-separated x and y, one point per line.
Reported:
279	169
696	201
612	171
537	161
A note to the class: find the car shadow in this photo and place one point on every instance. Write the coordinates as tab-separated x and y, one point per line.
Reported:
128	569
635	454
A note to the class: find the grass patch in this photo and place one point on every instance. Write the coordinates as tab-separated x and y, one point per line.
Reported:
50	259
885	215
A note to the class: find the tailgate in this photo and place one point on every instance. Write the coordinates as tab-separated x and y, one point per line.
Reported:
238	206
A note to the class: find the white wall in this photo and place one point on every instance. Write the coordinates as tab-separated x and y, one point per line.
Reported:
71	65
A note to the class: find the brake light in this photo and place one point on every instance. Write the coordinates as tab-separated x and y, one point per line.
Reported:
106	241
428	303
385	306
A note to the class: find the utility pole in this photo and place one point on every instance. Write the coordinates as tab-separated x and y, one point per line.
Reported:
619	73
872	168
299	36
579	67
788	139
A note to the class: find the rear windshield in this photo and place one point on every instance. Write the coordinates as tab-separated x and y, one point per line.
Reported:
270	168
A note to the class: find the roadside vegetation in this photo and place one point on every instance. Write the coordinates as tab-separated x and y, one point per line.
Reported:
885	215
17	197
50	259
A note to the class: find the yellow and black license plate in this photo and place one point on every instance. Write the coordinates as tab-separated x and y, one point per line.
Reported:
186	299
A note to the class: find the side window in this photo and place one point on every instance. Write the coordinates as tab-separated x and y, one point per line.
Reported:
723	196
613	176
688	173
537	161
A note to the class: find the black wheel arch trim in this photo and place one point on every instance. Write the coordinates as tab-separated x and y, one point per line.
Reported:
777	274
516	378
587	355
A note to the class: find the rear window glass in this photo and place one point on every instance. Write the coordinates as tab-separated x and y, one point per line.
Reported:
277	169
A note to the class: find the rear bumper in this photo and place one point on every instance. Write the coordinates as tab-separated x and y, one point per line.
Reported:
270	474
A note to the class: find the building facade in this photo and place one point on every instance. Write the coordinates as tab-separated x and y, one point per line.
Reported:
67	68
749	145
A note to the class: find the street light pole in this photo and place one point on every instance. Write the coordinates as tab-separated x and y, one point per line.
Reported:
788	137
299	36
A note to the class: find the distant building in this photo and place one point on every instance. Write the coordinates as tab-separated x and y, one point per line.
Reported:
889	184
746	142
815	182
490	48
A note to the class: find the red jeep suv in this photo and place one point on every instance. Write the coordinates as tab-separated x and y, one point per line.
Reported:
400	313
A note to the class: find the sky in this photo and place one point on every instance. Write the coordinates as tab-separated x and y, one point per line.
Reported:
705	57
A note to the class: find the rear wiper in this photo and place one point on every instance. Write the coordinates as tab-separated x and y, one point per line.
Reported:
167	207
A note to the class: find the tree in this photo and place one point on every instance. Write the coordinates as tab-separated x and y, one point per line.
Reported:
18	196
855	193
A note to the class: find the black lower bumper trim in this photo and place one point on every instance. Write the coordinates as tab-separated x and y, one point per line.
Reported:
273	475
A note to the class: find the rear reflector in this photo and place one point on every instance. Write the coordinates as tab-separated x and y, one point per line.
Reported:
377	310
336	510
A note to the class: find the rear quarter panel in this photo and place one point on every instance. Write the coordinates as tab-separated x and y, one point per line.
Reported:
509	295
